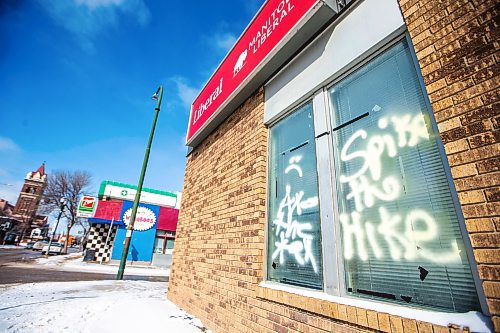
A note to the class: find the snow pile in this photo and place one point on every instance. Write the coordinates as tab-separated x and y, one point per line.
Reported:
9	247
92	306
60	259
74	262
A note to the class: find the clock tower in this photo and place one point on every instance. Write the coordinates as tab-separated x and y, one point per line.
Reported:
29	200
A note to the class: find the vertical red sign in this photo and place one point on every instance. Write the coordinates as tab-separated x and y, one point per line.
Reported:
271	25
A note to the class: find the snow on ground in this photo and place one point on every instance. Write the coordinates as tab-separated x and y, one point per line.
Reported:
92	306
9	247
74	262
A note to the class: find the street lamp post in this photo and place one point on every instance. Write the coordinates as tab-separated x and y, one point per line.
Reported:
62	204
130	228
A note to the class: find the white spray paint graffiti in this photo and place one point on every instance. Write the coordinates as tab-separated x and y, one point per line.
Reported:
293	236
369	189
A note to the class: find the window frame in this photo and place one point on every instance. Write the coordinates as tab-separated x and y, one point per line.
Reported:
303	102
167	235
334	284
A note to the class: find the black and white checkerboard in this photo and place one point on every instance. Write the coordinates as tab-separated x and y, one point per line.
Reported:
97	239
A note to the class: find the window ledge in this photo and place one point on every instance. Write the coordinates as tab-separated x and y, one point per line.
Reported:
475	321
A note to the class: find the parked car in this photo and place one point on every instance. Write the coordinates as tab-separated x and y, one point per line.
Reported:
30	244
55	248
38	246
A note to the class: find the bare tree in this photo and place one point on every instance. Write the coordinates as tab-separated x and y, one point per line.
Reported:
84	224
70	186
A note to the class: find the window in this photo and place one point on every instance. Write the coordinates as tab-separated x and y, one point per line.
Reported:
396	225
159	244
294	240
400	232
164	242
170	243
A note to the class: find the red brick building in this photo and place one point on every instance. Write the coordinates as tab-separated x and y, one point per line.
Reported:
343	175
24	218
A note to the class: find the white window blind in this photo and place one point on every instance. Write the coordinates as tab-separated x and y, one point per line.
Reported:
401	239
294	235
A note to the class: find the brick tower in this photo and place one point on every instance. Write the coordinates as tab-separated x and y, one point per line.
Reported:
29	201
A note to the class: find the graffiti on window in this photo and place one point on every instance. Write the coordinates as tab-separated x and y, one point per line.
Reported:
407	236
294	238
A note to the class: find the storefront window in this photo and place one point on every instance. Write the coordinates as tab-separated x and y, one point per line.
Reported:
159	244
294	241
400	232
164	240
170	243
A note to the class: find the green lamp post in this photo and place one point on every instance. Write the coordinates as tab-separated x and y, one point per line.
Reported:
130	228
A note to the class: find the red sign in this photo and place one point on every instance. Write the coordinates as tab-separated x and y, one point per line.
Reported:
266	31
88	202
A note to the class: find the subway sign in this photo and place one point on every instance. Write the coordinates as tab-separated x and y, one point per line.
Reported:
276	21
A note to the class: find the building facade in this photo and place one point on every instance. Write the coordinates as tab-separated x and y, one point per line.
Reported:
154	228
349	180
5	220
24	218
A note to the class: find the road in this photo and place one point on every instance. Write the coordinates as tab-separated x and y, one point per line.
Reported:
11	274
17	255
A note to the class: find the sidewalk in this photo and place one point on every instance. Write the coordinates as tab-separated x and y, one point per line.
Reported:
92	306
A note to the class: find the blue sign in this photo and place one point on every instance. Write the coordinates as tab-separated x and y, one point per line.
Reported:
142	242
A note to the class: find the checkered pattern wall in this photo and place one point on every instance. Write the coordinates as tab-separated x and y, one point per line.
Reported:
97	240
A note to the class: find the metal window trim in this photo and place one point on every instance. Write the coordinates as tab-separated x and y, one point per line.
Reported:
329	235
447	169
335	195
265	255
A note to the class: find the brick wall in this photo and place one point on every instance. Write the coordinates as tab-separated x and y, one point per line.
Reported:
457	44
219	250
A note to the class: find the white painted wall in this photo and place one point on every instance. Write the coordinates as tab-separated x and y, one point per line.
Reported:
368	24
123	193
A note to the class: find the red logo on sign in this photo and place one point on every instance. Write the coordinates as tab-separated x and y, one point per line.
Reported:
271	25
88	202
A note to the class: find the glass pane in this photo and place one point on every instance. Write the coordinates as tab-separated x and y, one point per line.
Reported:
170	243
160	233
400	232
294	241
158	246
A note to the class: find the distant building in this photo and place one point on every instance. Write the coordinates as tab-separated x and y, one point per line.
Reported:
5	218
154	228
5	208
23	217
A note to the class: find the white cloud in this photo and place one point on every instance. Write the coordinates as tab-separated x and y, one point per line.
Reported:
86	19
7	144
224	41
99	3
11	192
3	174
185	92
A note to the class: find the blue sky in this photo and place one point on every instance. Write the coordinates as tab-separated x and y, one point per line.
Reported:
76	77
